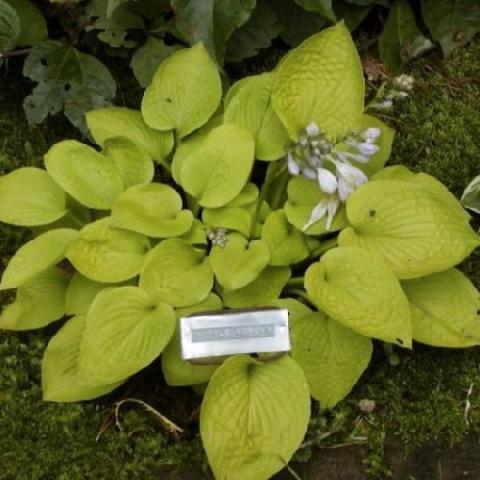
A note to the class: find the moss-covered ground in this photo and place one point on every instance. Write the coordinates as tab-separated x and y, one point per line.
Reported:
421	398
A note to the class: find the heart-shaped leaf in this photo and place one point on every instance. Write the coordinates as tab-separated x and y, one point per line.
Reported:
254	416
153	209
39	301
231	218
185	92
332	356
30	197
176	273
414	227
239	262
60	381
321	81
126	330
262	291
287	245
217	171
107	123
357	289
107	255
37	255
88	176
444	309
133	164
249	106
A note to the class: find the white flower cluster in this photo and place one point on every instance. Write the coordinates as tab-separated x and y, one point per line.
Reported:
329	163
218	236
402	86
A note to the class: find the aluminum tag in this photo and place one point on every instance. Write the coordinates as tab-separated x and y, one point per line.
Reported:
231	332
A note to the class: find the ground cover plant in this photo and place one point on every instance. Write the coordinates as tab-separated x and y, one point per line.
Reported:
275	236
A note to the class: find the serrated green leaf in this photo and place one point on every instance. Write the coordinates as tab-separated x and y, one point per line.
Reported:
321	81
243	422
415	228
287	245
250	107
39	301
106	123
180	372
231	218
176	273
30	197
262	291
67	80
444	309
33	27
401	39
357	289
107	255
239	262
218	170
184	93
88	176
332	356
133	164
303	196
10	28
37	255
148	58
60	382
126	330
257	33
81	293
471	195
153	209
211	22
451	23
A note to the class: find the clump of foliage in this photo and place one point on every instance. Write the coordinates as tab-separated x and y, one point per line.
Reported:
71	44
124	256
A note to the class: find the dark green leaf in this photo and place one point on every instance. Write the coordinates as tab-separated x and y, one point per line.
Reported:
211	22
323	7
262	27
401	40
32	24
452	23
148	57
9	27
114	24
67	79
353	15
298	24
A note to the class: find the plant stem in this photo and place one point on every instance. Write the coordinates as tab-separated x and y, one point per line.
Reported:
295	282
15	53
323	247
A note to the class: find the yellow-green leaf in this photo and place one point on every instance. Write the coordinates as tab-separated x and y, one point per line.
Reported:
444	309
185	92
357	289
107	255
153	209
37	255
217	171
332	356
88	176
254	417
414	228
321	81
30	197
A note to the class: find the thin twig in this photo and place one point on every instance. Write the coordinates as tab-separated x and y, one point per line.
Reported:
468	405
15	53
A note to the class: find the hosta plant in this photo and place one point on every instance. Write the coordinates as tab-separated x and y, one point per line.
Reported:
276	195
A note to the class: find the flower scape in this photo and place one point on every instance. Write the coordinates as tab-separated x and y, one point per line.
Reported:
277	195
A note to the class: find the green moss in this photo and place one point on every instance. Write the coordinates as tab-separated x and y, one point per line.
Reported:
420	400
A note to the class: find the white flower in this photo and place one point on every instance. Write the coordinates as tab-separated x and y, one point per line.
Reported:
368	148
310	173
293	166
312	129
348	178
317	214
371	133
404	82
332	208
327	180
